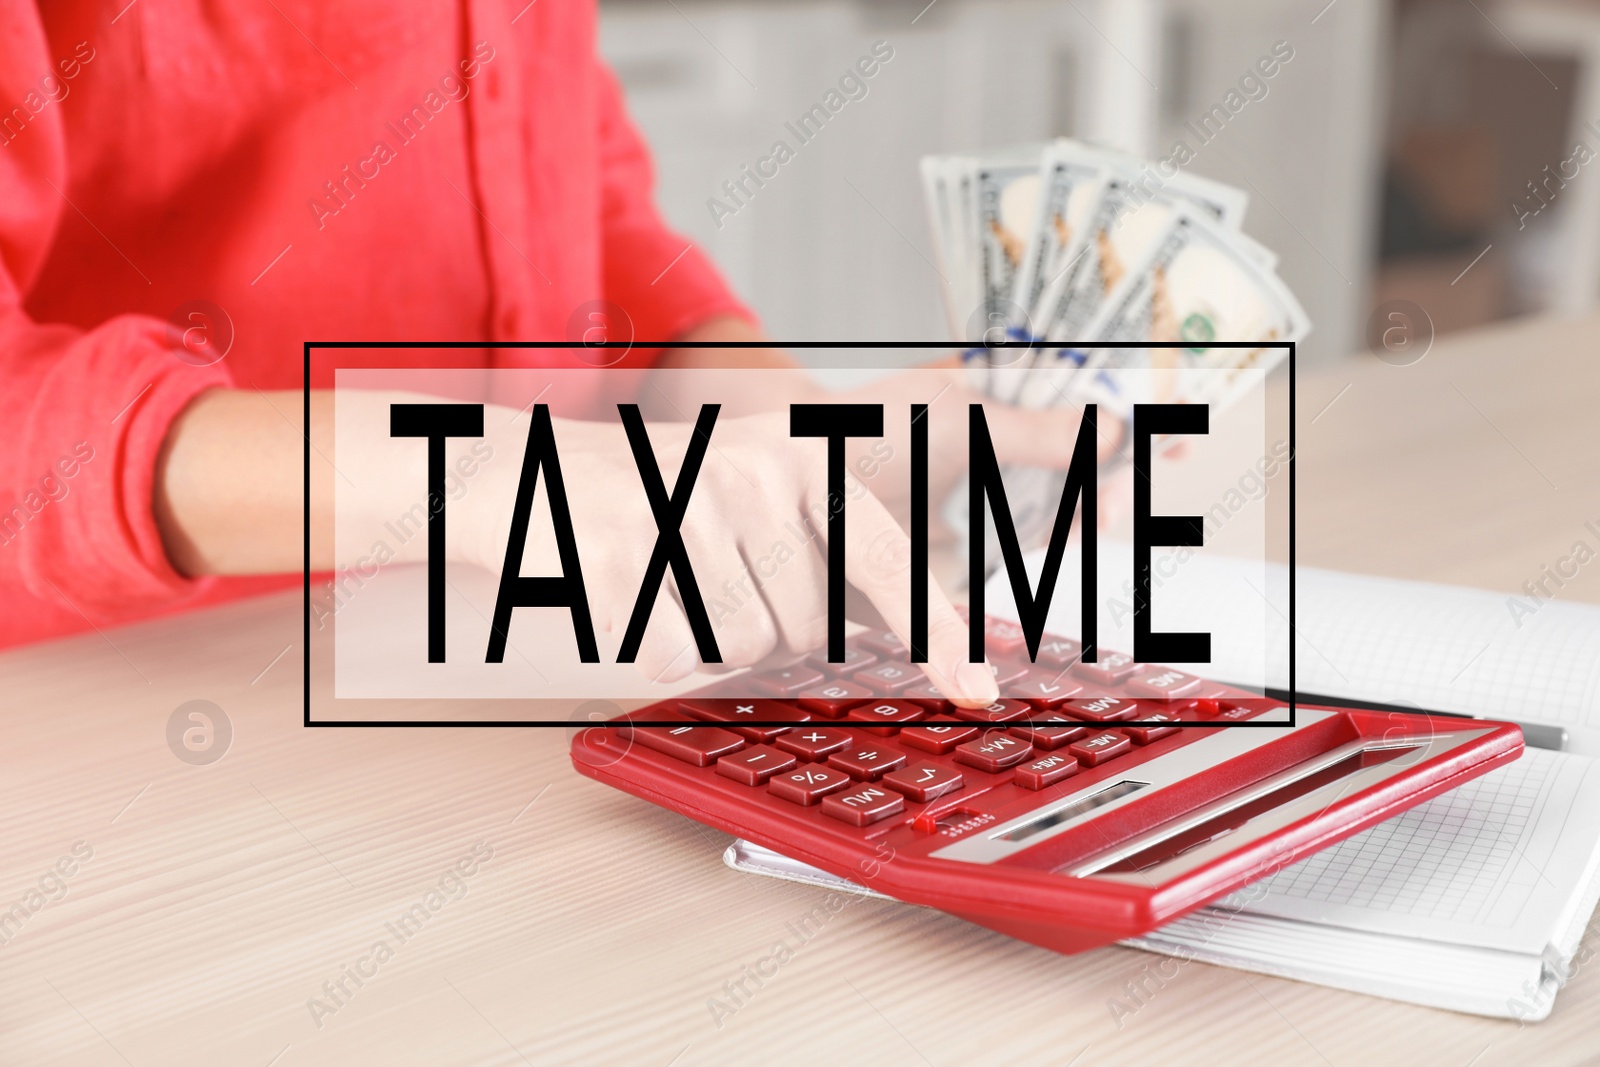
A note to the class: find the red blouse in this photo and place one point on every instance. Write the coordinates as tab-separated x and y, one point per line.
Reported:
363	170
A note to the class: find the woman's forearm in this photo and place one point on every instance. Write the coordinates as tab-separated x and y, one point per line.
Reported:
229	484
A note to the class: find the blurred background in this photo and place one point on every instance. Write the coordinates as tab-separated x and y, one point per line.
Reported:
1434	151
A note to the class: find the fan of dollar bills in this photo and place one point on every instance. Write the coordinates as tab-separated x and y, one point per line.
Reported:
1065	248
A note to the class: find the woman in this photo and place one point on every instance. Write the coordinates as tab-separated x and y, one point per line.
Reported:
177	188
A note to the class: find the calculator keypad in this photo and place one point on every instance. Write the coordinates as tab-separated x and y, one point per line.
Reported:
862	741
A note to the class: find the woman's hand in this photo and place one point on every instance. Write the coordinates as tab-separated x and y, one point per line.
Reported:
755	531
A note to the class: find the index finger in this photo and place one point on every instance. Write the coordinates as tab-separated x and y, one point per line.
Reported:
878	561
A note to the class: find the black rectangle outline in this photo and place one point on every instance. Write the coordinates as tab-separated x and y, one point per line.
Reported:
307	721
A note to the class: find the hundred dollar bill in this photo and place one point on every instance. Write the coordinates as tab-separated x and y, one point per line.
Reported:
1007	196
1197	285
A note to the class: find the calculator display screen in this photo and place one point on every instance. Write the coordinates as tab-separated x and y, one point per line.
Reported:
1098	799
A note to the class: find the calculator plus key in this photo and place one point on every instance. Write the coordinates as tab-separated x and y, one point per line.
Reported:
736	712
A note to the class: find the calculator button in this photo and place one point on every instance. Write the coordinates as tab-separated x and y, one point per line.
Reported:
888	677
863	805
1245	709
1046	689
734	712
887	714
1046	771
999	711
833	699
993	752
1058	652
1004	637
926	695
1112	668
1101	709
815	742
1007	673
885	644
867	761
1162	683
1205	708
924	781
855	658
789	681
938	737
1093	751
1049	734
1143	735
808	785
755	764
699	745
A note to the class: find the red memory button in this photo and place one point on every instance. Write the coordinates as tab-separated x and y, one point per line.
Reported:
1101	709
863	805
1162	683
1093	751
1046	771
993	752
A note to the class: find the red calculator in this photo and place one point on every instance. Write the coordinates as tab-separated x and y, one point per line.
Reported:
1092	803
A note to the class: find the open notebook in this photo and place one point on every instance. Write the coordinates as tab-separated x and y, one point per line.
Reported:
1475	901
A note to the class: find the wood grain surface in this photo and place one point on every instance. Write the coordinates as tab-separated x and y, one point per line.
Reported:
530	916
